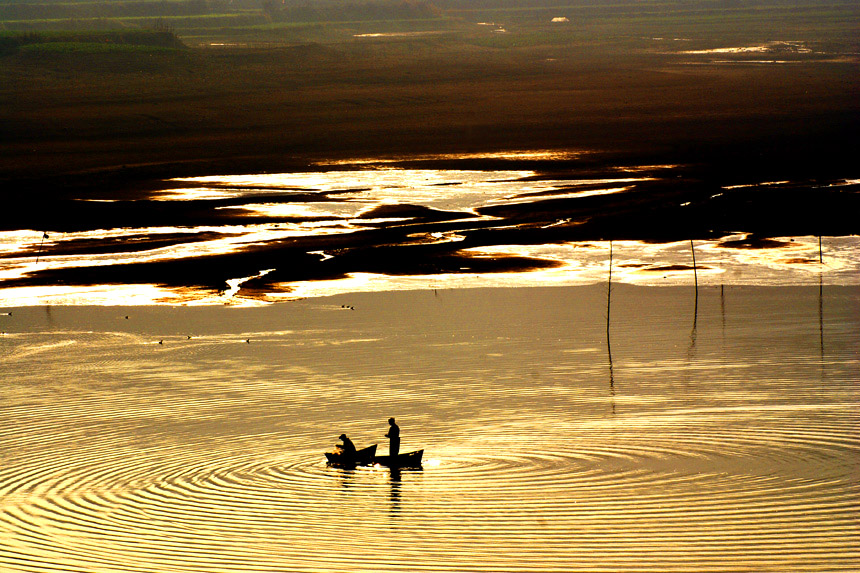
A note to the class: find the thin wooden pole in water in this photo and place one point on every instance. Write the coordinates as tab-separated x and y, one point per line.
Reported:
39	253
696	301
608	344
821	317
820	255
609	294
695	271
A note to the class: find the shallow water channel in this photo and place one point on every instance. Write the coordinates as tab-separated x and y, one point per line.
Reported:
716	432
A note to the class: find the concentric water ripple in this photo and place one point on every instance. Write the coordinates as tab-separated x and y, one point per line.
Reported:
174	509
205	454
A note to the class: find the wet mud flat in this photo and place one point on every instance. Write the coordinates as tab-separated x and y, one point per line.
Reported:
100	123
199	235
708	152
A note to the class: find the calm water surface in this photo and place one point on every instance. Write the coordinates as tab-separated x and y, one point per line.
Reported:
718	434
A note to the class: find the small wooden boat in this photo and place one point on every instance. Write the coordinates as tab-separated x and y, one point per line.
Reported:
407	460
363	457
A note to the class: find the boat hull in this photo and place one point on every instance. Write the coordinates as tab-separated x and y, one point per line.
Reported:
407	460
363	457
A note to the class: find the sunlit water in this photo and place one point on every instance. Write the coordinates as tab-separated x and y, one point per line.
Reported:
709	433
348	201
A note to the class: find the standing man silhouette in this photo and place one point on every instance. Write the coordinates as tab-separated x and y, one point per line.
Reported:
393	436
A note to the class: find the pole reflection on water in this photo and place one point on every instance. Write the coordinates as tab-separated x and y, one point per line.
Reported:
206	453
608	343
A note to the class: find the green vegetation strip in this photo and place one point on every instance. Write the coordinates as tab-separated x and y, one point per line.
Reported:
90	48
89	42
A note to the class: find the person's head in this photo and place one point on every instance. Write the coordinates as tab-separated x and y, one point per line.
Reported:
391	421
342	437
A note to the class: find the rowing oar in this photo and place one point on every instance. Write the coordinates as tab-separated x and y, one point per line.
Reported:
38	254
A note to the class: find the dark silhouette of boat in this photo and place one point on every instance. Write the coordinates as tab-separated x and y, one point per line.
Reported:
363	457
407	460
368	457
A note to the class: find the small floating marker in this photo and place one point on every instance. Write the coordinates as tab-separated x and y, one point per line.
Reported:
248	341
161	342
126	317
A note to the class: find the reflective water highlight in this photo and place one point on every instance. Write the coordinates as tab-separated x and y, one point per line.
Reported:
257	238
714	436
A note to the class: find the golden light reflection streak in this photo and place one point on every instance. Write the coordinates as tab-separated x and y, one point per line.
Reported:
345	213
243	237
390	184
145	294
798	47
540	154
581	263
236	284
459	190
197	194
565	195
23	241
22	266
107	295
353	180
571	272
19	241
573	269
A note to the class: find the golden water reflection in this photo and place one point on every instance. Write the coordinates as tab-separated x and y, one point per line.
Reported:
573	263
166	439
338	218
798	47
516	155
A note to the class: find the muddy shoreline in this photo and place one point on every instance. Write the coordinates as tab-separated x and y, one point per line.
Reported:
108	123
88	152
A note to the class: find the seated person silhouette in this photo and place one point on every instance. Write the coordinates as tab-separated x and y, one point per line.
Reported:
393	436
347	449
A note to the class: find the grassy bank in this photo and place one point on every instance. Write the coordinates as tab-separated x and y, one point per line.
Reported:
89	42
525	23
